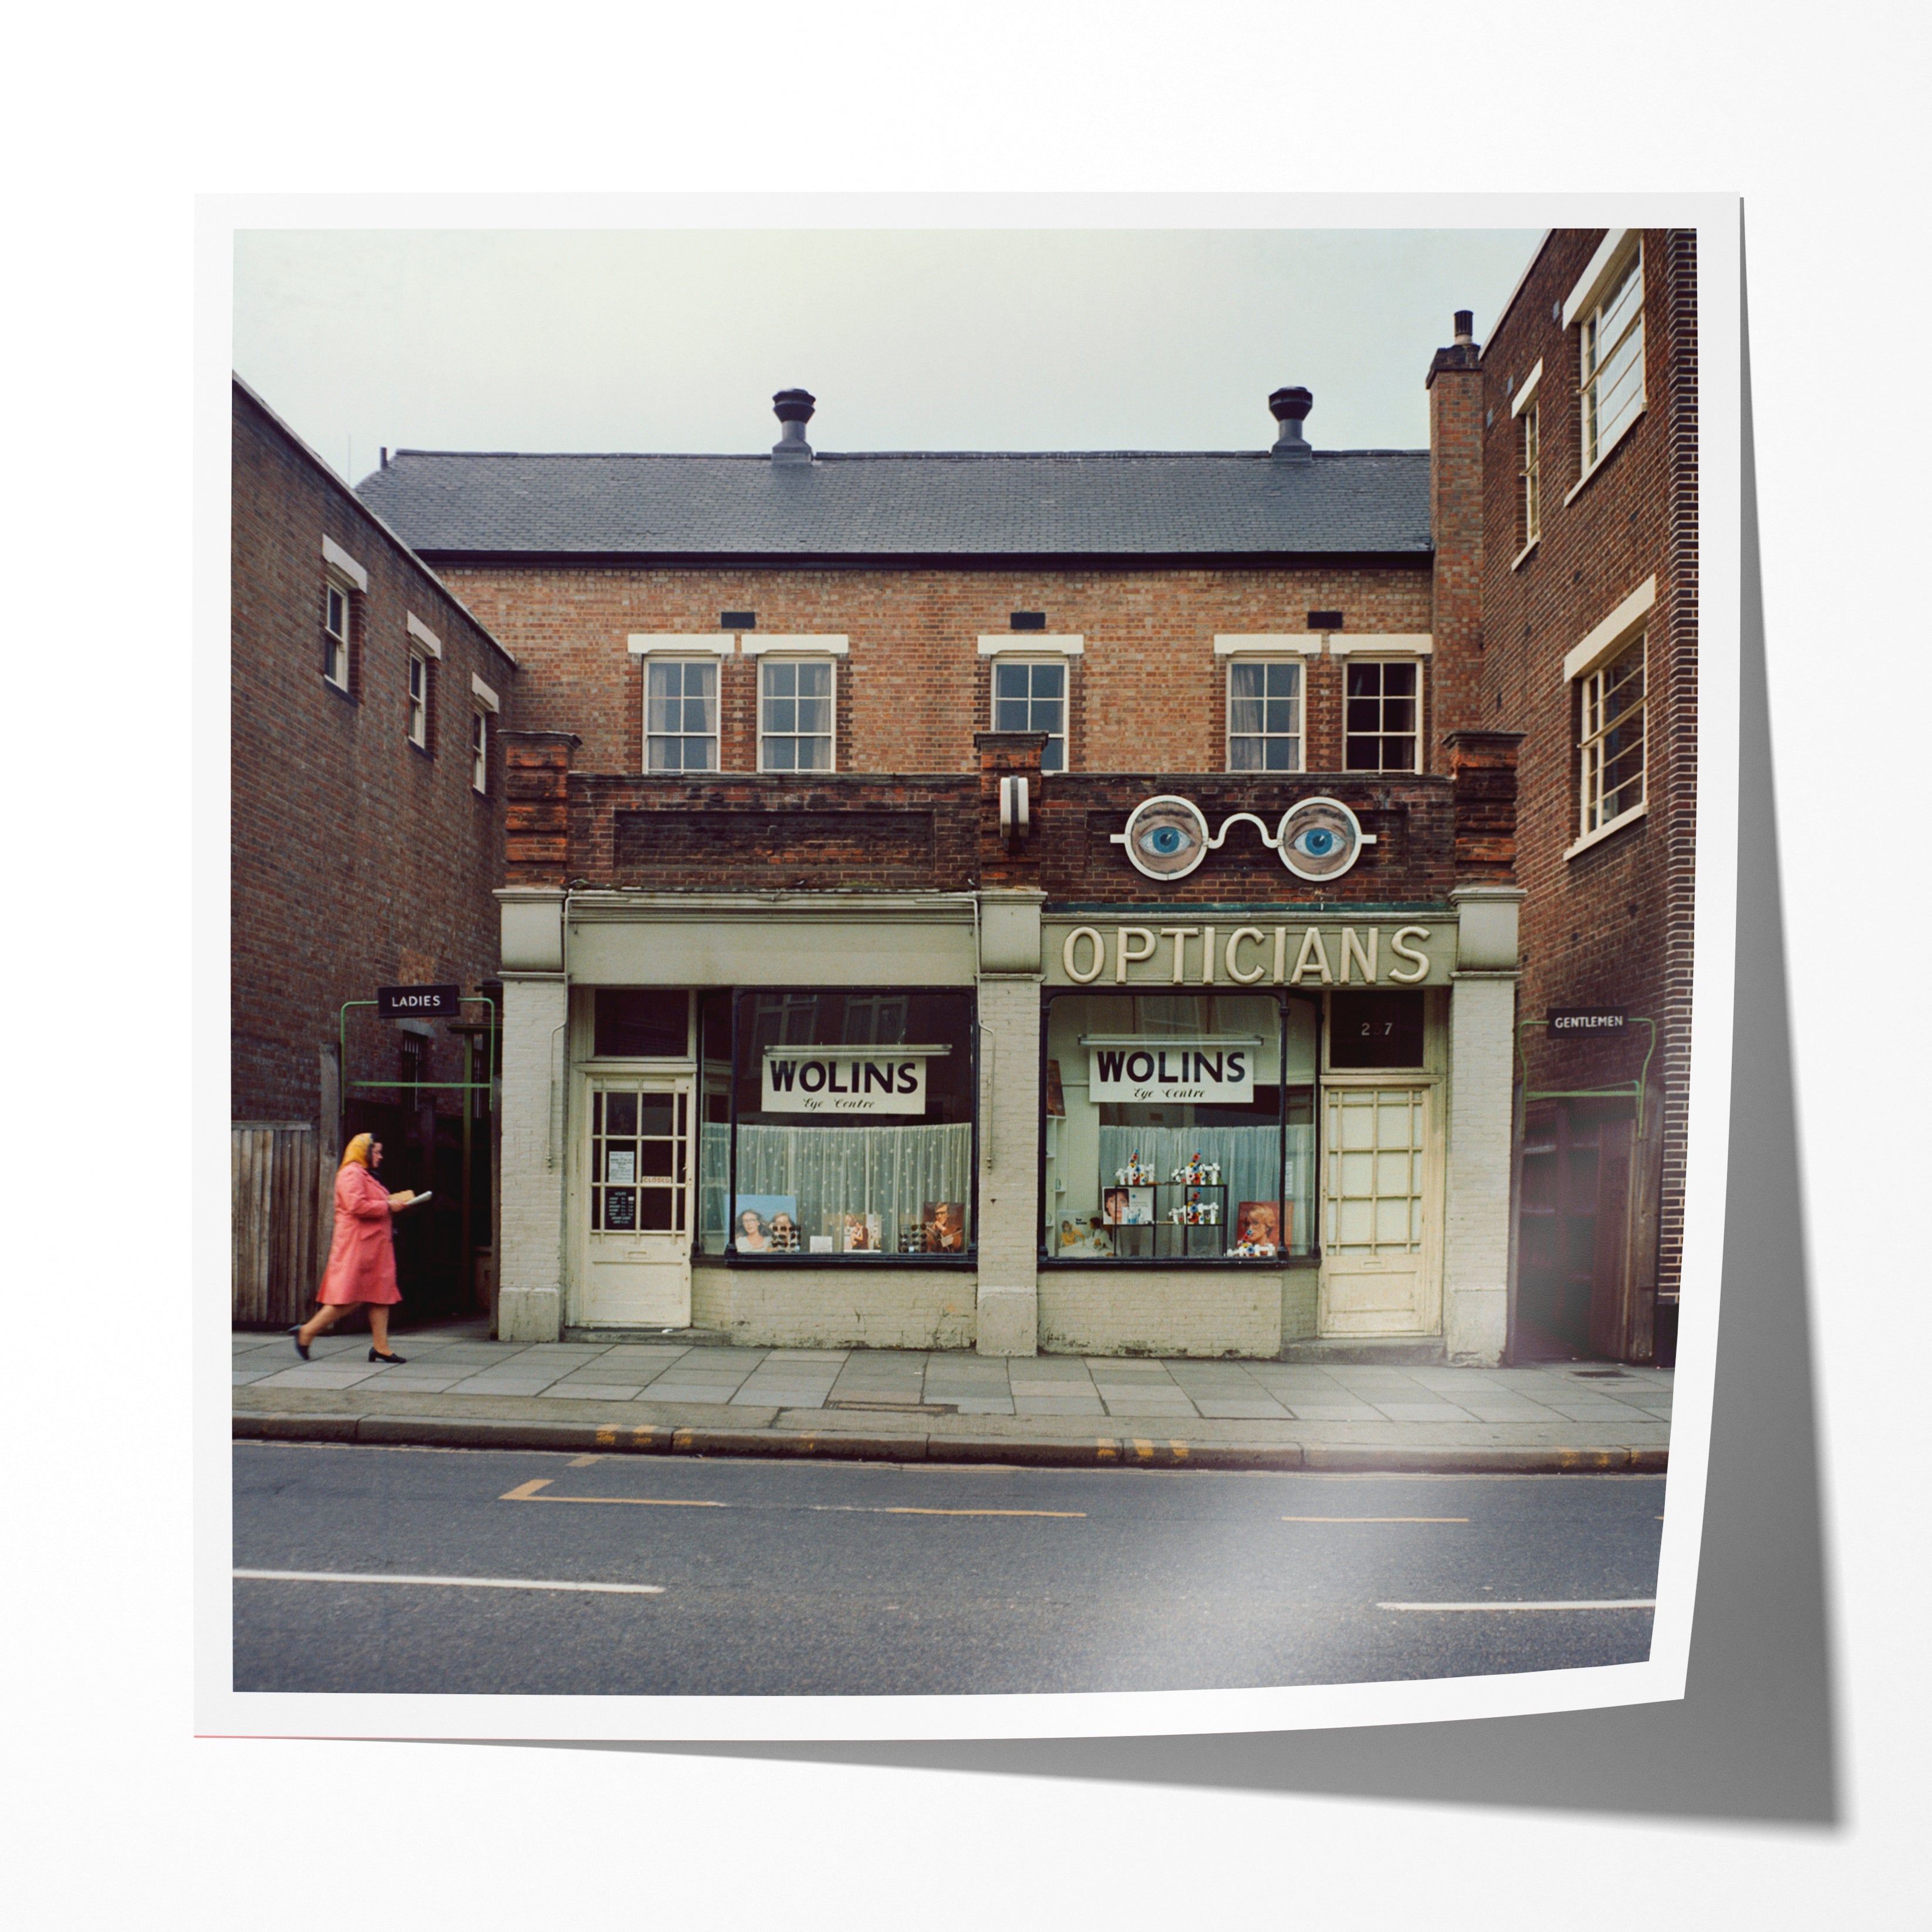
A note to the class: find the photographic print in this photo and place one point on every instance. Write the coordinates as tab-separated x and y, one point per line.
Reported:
944	1223
766	1223
777	726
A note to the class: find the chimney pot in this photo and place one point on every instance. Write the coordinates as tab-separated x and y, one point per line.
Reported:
794	409
1288	406
1466	325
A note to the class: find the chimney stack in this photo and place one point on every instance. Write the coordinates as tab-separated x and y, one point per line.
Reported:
1288	407
792	408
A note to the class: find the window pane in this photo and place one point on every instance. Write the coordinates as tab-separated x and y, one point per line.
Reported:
1398	680
1365	680
1010	715
815	680
1284	754
1053	758
1245	755
640	1023
1049	680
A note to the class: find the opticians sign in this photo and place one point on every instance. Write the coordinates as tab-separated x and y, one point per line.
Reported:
844	1080
1221	1071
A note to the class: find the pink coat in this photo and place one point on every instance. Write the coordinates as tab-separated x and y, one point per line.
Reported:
361	1258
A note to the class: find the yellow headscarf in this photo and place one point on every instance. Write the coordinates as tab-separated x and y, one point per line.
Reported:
356	1153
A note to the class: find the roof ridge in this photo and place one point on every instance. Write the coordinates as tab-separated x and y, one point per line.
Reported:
884	455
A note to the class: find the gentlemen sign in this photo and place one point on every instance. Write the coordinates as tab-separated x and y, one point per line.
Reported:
1172	1070
844	1080
1573	1020
422	1003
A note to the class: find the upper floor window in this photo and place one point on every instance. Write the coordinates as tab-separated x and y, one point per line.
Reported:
795	721
1265	720
337	618
1529	450
1610	739
1382	720
1032	697
1607	670
425	649
680	716
344	581
1032	679
1613	360
418	711
484	709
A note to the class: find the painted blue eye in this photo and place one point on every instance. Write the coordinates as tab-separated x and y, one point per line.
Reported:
1320	838
1166	837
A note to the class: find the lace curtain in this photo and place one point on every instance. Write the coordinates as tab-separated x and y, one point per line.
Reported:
891	1172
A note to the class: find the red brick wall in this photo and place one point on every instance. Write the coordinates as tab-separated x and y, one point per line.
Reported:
357	860
1148	693
1612	925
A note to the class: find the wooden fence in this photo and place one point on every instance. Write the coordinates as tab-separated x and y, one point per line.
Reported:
278	1260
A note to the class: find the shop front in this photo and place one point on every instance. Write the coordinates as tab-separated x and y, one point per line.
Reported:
976	1120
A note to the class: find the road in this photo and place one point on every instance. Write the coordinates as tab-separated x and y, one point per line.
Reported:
747	1578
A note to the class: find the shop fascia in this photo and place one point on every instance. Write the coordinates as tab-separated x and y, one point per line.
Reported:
1231	951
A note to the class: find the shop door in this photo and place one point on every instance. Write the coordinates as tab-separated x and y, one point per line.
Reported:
636	1203
1376	1275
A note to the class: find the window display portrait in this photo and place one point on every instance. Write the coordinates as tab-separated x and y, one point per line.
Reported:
945	1224
1257	1228
766	1222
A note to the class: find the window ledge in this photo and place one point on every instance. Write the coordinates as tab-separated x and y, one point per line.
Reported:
1603	831
422	751
341	690
1523	556
1604	455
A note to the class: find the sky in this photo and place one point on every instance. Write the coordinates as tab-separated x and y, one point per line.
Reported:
668	340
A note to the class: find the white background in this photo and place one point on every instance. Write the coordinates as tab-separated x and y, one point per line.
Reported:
119	117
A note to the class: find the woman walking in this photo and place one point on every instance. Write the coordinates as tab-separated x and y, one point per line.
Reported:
361	1261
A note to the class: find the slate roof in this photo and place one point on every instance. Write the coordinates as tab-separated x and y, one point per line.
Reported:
1136	503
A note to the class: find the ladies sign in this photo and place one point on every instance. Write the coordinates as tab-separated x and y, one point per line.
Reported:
844	1080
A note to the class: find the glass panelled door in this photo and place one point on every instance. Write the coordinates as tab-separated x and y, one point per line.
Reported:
1377	1275
636	1204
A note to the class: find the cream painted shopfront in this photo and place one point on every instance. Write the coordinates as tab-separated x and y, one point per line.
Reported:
988	1119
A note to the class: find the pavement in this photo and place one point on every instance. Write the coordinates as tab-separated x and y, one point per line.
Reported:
679	1394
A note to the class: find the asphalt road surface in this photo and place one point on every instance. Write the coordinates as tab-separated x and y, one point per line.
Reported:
742	1578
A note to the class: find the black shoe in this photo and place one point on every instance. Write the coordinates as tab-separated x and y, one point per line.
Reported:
388	1361
302	1347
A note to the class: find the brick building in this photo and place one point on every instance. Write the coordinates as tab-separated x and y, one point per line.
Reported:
1061	900
1587	389
368	837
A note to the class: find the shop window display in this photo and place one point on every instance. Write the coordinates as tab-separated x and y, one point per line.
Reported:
854	1124
1185	1130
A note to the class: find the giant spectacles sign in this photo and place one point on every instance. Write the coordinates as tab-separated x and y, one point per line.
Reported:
844	1080
1166	837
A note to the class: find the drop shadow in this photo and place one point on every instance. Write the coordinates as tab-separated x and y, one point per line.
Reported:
1755	1738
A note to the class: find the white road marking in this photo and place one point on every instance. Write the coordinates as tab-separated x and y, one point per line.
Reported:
1375	1519
1553	1603
455	1582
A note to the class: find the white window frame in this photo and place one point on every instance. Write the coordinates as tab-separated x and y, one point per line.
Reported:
483	707
1526	427
1287	648
690	648
338	596
342	577
419	700
1629	624
424	644
1618	261
1033	647
1409	650
776	647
